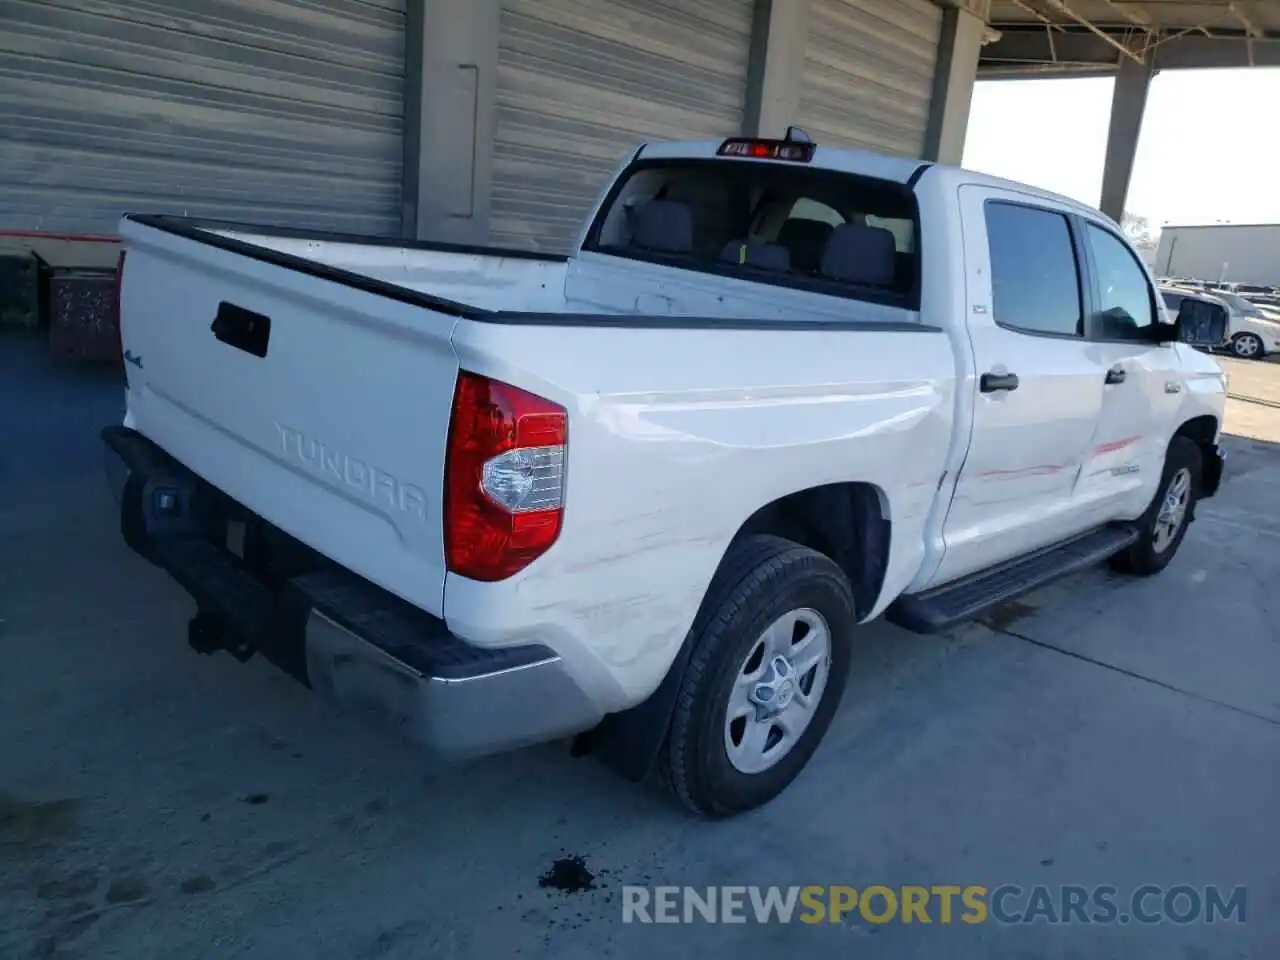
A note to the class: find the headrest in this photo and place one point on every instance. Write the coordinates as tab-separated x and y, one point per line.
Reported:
806	239
802	232
754	253
860	254
664	225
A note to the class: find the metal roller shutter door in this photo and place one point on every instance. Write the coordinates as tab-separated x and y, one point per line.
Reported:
868	73
580	82
285	111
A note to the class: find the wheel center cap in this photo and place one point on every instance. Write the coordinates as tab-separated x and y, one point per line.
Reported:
775	690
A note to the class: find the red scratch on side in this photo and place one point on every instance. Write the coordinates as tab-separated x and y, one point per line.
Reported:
1115	445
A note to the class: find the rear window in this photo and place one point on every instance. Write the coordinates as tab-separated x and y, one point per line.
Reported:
792	226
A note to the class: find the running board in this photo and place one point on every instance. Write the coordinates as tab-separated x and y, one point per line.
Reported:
942	607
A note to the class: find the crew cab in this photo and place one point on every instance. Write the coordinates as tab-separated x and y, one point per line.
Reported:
641	497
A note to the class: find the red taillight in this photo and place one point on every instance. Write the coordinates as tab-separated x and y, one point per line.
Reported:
118	291
504	478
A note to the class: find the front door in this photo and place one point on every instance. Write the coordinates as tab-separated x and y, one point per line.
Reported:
1037	384
1143	383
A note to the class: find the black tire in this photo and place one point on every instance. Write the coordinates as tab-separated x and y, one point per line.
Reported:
1247	346
761	579
1143	558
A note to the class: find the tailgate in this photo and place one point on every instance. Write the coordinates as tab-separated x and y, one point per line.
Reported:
321	407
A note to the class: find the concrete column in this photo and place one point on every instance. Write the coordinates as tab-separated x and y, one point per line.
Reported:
451	58
779	35
1128	103
959	48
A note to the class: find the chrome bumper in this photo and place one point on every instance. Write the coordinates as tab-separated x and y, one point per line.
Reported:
400	664
449	717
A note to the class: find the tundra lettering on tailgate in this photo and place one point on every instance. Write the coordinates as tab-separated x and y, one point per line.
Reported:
374	485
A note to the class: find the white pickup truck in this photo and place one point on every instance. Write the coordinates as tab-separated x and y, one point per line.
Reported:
642	496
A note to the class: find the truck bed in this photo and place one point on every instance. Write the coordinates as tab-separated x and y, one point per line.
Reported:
460	280
336	430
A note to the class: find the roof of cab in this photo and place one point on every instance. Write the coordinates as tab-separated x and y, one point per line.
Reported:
845	159
867	164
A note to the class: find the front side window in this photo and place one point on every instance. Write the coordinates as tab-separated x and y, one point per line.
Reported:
784	224
1035	280
1172	300
1125	306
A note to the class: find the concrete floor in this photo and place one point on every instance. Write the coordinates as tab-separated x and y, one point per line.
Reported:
154	803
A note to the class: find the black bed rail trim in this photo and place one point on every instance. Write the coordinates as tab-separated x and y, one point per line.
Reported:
916	174
199	231
165	221
663	322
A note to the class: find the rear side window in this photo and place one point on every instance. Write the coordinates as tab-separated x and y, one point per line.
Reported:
1035	278
778	223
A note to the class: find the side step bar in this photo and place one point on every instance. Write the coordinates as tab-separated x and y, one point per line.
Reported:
943	607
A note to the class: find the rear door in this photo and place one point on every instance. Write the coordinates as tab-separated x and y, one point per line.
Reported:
1039	385
321	407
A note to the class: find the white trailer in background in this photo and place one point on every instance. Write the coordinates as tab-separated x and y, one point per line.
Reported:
1237	252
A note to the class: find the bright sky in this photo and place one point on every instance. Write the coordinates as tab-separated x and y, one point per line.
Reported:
1208	151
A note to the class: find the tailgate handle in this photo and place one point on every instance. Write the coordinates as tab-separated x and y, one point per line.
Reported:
242	329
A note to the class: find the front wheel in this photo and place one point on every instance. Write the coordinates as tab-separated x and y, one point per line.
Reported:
769	663
1162	527
1246	346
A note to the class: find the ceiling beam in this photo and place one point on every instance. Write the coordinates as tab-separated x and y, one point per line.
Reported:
1133	16
1240	12
1022	49
1092	28
1022	4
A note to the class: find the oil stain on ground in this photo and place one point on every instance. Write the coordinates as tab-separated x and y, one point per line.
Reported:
1005	615
202	883
570	875
127	890
79	884
31	823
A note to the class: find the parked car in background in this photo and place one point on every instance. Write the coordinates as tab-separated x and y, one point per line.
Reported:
1250	289
1251	334
1268	303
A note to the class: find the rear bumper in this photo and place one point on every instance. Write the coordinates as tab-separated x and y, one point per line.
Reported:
351	641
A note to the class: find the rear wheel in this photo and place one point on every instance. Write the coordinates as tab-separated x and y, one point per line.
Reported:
767	670
1163	526
1246	346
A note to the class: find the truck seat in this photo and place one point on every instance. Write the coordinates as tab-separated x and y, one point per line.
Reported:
805	239
860	254
757	253
665	226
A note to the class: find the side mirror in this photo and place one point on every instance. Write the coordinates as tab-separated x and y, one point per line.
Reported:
1201	323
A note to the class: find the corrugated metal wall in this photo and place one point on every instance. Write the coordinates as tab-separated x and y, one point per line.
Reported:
1243	253
285	111
868	73
580	82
